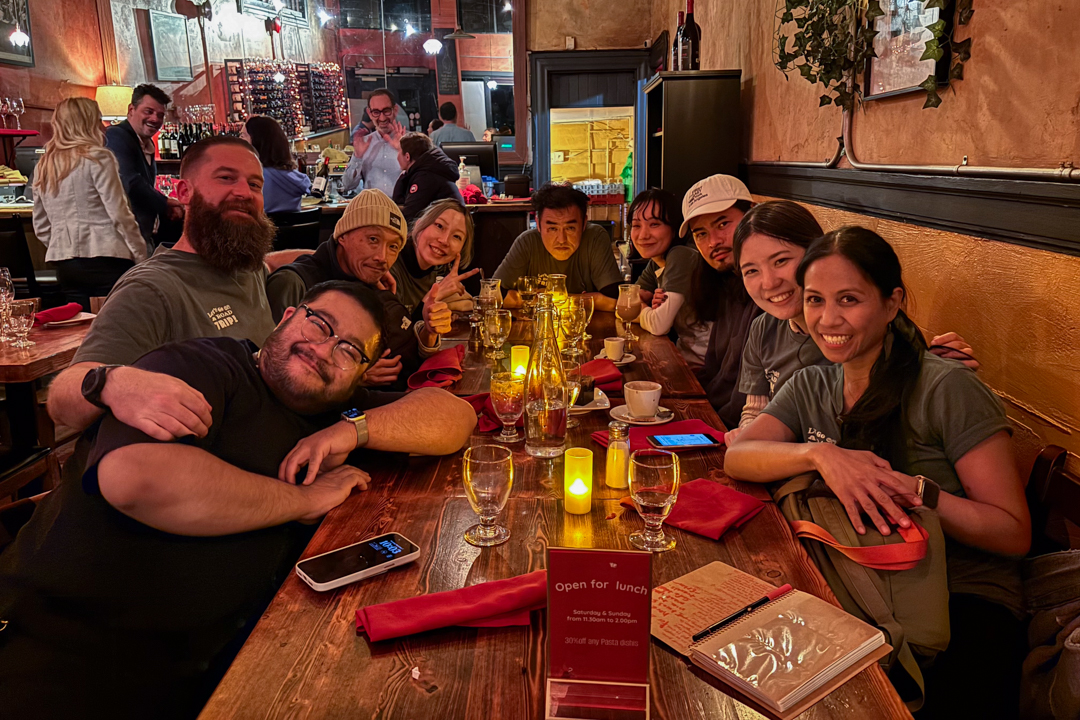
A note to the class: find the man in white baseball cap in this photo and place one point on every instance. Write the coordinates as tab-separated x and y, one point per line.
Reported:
711	210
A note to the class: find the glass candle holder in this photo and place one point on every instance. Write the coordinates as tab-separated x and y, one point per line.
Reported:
519	359
577	481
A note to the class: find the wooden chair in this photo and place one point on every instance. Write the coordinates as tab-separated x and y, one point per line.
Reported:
297	230
1054	498
14	515
15	255
21	467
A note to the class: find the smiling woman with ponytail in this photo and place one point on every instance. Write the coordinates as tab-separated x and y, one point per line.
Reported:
891	418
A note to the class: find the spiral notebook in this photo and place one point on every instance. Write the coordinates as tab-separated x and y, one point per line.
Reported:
781	658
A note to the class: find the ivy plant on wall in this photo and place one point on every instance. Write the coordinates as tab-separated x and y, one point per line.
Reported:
830	42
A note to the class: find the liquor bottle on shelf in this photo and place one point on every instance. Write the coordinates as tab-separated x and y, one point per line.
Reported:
690	45
676	43
322	179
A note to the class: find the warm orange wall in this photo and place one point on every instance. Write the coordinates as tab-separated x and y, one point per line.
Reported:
595	24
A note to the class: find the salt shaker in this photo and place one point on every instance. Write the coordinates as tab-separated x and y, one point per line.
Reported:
618	455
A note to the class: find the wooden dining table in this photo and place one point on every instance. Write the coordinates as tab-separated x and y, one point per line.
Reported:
304	658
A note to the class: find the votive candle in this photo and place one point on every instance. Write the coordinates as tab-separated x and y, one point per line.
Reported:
577	481
519	359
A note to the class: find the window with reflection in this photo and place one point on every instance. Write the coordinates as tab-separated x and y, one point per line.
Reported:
405	16
485	16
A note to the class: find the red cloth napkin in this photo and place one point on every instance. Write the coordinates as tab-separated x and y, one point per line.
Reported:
492	604
473	195
709	508
56	314
489	419
442	369
604	373
638	434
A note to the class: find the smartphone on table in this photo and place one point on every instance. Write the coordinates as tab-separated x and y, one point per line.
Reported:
689	441
364	559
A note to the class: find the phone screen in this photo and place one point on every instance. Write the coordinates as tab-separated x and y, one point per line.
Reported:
355	558
684	440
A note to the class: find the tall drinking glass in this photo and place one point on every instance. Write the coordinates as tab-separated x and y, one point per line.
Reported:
7	295
21	320
627	308
488	473
528	287
589	304
492	289
572	371
654	487
497	330
572	322
508	399
556	286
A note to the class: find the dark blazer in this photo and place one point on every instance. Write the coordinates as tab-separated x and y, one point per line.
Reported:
432	177
138	178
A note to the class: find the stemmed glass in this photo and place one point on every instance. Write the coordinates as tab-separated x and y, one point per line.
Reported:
556	285
508	399
627	308
17	109
572	372
492	289
572	321
589	304
488	474
654	487
22	319
7	295
528	287
5	110
497	330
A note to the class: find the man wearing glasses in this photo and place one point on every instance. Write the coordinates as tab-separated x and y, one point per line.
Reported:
130	592
377	156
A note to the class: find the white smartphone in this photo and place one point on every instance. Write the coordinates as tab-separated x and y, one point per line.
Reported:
355	562
688	441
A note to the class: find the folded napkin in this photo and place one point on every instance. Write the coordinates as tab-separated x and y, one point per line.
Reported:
489	419
638	433
493	604
604	373
57	314
709	508
442	369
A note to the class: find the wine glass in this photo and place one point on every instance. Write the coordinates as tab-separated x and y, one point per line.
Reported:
17	109
556	285
488	474
22	319
572	321
5	110
589	303
7	295
627	308
492	289
508	398
654	488
528	286
572	372
497	330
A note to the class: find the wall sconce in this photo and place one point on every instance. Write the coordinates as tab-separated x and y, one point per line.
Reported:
432	46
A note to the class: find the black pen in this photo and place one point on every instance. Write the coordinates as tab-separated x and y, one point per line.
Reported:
785	588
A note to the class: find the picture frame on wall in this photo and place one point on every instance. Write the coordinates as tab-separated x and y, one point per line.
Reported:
172	53
899	43
15	13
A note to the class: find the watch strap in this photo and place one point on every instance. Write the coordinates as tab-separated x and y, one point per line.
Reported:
94	384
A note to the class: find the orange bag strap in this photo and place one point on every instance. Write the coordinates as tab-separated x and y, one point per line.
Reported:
892	556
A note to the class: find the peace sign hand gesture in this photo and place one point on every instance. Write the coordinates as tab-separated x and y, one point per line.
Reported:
437	315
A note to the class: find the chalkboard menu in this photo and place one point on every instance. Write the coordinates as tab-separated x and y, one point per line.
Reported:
446	64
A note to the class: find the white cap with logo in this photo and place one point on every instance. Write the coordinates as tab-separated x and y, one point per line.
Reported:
714	194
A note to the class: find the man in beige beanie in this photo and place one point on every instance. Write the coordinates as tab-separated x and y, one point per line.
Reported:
366	242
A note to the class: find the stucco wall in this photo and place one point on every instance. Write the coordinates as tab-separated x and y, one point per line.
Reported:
594	24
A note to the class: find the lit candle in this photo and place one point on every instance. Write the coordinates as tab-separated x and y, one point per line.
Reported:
519	359
577	481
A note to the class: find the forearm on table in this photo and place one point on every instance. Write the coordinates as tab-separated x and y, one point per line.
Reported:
428	421
602	302
659	321
66	404
512	300
768	460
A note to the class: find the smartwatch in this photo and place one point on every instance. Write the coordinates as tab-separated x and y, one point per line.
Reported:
929	491
94	382
359	421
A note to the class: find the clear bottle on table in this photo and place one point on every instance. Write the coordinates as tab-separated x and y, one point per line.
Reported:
618	455
545	388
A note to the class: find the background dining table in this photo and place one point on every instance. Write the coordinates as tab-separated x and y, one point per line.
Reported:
304	658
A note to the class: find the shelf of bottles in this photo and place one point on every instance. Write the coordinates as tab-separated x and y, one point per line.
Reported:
328	97
306	98
192	123
272	89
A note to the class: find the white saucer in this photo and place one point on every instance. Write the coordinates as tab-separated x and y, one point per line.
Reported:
600	402
627	358
663	415
82	317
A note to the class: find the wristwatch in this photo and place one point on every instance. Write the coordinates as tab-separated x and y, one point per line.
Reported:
359	421
928	490
94	382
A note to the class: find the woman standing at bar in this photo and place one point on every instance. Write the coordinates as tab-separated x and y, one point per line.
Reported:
283	185
81	212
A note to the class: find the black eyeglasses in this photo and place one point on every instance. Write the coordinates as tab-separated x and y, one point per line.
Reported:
317	330
385	112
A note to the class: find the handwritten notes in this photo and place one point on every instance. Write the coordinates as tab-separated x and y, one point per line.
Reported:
694	601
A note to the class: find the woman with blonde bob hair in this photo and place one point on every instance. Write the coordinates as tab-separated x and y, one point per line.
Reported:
81	213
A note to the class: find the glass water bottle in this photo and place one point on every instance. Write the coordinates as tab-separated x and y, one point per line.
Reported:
545	388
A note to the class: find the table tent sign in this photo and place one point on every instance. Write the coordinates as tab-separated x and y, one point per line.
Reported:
599	616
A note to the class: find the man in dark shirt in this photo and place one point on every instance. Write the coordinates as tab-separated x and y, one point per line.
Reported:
132	141
126	595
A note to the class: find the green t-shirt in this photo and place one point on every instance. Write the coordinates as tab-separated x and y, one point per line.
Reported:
774	351
176	296
950	412
591	268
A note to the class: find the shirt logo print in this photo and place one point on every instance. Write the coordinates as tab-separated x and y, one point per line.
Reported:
222	317
773	376
816	436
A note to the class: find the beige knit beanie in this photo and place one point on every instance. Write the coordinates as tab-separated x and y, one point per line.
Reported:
371	207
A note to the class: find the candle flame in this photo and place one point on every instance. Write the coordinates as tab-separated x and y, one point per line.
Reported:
520	370
578	487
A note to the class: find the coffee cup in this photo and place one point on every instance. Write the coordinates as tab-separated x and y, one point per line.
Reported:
642	399
613	348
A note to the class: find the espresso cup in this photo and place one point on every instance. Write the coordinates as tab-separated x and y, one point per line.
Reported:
642	399
613	348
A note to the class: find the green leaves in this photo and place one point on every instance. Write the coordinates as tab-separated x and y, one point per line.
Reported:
962	50
931	4
957	72
873	11
933	51
932	97
825	100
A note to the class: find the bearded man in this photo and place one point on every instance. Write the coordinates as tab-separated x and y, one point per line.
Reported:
211	283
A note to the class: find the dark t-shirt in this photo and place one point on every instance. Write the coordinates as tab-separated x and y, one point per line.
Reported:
723	360
110	617
774	352
591	268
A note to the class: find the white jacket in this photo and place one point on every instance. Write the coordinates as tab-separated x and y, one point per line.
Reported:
88	215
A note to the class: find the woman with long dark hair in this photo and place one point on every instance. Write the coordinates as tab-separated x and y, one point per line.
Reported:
768	246
886	412
283	185
666	282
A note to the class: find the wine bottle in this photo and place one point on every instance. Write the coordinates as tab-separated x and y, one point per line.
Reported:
675	56
690	54
174	143
322	179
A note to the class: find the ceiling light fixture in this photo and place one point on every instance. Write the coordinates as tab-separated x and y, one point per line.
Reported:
492	84
507	7
279	78
459	34
409	29
18	38
278	5
432	46
324	17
